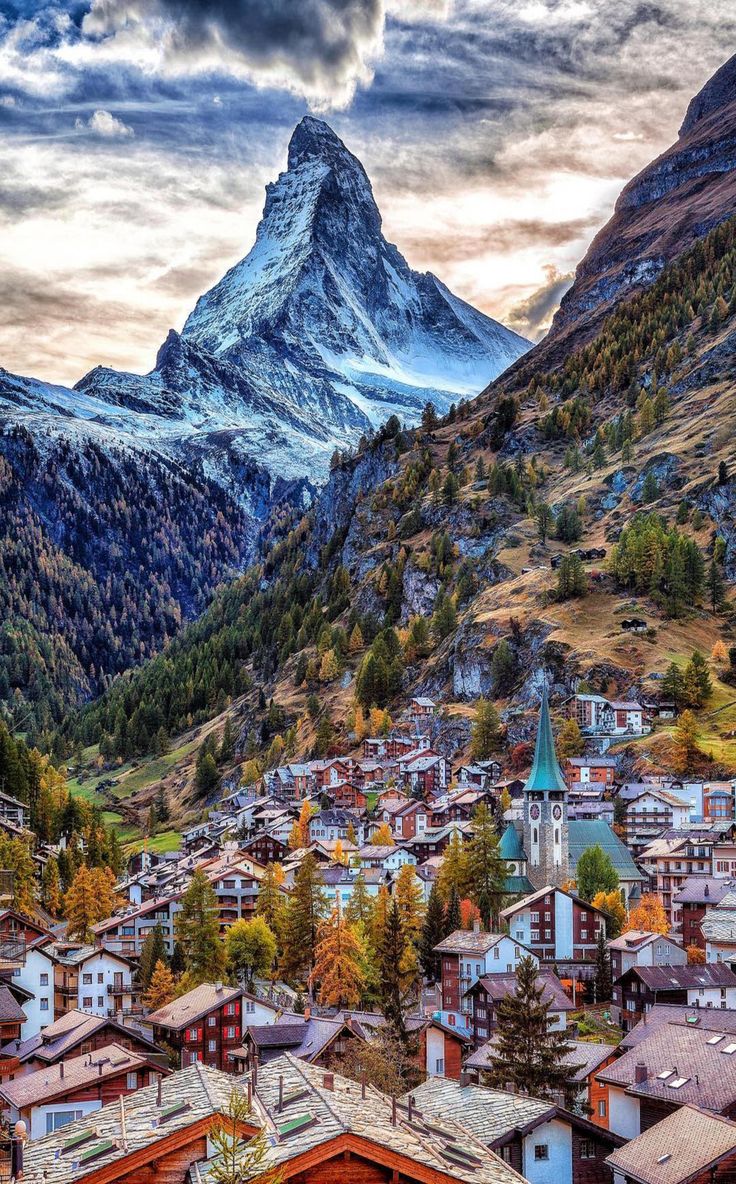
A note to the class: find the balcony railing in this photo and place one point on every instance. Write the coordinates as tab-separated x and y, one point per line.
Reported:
12	950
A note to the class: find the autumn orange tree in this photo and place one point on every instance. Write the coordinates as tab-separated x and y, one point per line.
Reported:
648	916
383	836
613	906
162	987
695	956
337	963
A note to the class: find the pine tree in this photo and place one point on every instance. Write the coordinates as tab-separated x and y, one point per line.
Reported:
360	908
197	928
486	734
152	952
487	870
337	964
391	952
305	910
162	806
453	919
673	685
271	902
527	1051
603	974
433	932
227	742
161	989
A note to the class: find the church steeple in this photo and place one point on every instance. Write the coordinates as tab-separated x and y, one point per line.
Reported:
545	774
545	810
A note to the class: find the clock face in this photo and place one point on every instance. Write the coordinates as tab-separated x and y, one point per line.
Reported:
557	813
534	812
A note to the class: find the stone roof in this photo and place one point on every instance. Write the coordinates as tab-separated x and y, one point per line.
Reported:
190	1007
719	924
498	986
703	890
64	1034
545	773
461	941
636	939
10	1009
684	1063
676	1148
488	1113
670	978
304	1037
54	1081
585	1058
719	1019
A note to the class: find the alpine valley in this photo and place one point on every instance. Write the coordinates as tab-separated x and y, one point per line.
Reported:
129	498
511	540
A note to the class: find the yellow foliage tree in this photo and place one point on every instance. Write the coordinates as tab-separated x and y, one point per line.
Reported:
686	742
337	964
305	815
339	855
355	642
506	800
719	653
570	740
383	836
162	987
329	667
695	956
648	915
612	904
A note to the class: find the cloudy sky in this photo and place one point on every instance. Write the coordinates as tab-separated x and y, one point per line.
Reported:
136	137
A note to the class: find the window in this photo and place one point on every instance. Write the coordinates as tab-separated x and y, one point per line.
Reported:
541	1151
584	934
193	1058
480	1013
496	952
439	1067
100	1001
231	1033
87	980
192	1034
100	977
86	1002
535	917
211	1046
505	1153
602	1108
535	935
231	1009
132	1080
587	1149
61	1118
250	1005
481	1031
211	1021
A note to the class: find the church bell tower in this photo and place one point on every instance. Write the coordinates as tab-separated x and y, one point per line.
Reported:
545	811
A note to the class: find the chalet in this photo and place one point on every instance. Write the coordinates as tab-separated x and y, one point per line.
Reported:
556	925
490	990
265	847
695	898
640	947
539	1139
12	1016
718	800
676	855
318	1129
650	813
691	1146
590	770
442	1047
93	979
13	811
422	709
638	989
74	1034
585	1059
53	1097
334	824
391	747
435	840
411	819
320	1040
718	928
331	772
628	718
348	795
386	858
423	772
338	882
593	713
206	1024
686	1061
467	955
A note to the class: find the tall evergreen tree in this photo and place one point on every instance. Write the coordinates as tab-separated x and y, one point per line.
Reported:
433	931
486	735
153	951
603	973
391	951
453	918
197	928
527	1050
307	907
487	870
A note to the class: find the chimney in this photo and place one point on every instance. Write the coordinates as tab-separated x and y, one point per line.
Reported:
706	891
218	987
307	1011
329	1081
393	1112
61	1070
410	1106
640	1073
465	1078
281	1093
476	926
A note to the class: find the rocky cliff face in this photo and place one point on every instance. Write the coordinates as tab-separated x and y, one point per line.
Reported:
676	199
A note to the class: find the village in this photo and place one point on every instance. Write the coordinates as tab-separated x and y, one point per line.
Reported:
574	1015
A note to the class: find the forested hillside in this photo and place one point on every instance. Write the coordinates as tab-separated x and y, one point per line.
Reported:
425	563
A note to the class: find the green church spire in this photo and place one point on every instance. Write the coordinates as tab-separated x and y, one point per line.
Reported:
545	774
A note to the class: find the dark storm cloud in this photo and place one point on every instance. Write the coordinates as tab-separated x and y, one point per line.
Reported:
531	317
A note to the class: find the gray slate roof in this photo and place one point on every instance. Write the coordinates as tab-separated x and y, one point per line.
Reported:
489	1113
685	1063
676	1148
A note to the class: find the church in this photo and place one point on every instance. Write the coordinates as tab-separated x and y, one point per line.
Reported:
543	848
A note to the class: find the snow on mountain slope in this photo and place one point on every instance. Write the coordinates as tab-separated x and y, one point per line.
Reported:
317	336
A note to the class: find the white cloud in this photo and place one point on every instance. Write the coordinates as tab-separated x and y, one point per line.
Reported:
105	124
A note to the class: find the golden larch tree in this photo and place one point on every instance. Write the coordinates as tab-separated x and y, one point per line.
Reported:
338	964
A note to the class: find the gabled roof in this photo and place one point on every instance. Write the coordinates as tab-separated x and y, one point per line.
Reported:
189	1008
498	986
584	833
548	889
462	941
72	1074
670	978
637	939
677	1148
583	1060
545	774
66	1033
720	1019
684	1062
